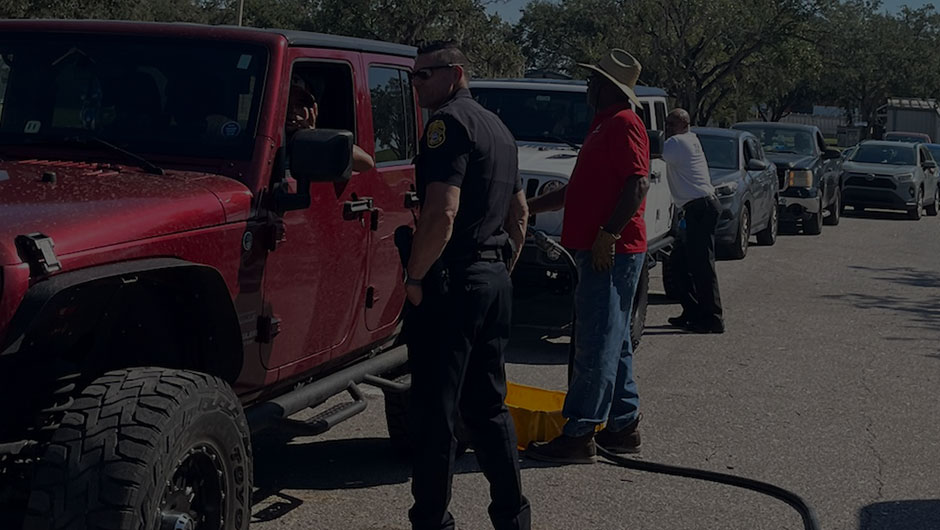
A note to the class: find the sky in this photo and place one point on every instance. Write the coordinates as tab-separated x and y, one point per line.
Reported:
510	9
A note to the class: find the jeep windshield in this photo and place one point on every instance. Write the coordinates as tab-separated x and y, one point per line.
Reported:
895	155
721	152
539	115
156	96
781	140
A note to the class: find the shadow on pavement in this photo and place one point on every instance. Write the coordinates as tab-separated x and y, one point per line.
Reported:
901	515
660	299
327	465
922	310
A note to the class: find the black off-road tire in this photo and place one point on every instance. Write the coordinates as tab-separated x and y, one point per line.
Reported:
640	305
768	236
132	444
835	210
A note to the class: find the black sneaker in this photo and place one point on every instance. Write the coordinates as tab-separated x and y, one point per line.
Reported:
565	450
621	442
707	327
680	321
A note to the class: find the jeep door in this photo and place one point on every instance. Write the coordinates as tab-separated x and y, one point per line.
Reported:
393	121
658	215
315	281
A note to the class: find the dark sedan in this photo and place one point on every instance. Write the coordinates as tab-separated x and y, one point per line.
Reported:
745	182
806	169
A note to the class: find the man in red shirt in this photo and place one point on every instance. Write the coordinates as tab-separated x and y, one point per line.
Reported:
604	203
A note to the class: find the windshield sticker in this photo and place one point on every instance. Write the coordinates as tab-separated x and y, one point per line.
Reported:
231	129
32	127
244	61
4	176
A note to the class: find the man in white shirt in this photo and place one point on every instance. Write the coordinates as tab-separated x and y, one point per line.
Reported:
694	258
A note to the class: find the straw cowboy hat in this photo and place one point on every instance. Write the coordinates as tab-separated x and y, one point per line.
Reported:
622	69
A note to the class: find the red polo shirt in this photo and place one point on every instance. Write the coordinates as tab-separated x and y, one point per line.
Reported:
616	149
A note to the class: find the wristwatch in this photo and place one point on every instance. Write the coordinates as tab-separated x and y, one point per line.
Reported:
414	282
611	234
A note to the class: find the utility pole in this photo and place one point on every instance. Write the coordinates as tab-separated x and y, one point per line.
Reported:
241	9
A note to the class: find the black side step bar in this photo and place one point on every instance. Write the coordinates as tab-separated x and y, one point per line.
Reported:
270	413
330	417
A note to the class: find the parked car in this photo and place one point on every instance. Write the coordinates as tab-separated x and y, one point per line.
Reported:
910	137
892	175
745	182
549	118
807	177
175	274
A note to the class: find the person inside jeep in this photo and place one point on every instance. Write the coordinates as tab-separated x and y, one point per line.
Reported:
302	112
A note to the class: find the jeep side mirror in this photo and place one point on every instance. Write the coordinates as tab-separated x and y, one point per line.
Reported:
756	165
930	164
831	154
657	139
321	155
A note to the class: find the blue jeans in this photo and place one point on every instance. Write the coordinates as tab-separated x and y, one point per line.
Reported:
602	388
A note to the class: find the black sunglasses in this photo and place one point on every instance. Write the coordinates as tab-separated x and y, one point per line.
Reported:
425	73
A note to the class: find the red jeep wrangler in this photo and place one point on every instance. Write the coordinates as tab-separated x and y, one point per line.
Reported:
174	273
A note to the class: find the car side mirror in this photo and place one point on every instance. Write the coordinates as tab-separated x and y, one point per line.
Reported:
657	139
831	154
930	164
321	155
756	165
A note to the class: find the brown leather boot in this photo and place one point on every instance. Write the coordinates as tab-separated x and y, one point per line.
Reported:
565	450
621	442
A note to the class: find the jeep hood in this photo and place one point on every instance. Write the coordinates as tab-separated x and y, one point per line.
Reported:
552	159
791	160
87	205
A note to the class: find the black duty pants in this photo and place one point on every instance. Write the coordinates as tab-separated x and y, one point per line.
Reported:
456	341
698	280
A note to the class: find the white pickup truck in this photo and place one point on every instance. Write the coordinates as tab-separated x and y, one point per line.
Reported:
549	119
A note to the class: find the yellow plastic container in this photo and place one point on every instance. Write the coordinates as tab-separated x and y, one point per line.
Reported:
536	412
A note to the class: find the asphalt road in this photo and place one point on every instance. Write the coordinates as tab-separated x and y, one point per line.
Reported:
825	383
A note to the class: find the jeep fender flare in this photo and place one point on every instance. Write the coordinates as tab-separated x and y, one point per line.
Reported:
50	300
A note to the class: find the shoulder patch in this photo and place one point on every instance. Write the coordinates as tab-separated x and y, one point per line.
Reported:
437	134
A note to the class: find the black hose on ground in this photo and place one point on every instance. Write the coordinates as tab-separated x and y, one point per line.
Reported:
555	251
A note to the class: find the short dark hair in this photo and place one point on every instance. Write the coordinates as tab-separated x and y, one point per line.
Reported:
448	50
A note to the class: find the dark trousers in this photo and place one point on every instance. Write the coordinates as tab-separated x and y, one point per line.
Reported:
456	341
697	278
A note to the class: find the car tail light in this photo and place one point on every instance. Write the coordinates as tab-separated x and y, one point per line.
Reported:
801	178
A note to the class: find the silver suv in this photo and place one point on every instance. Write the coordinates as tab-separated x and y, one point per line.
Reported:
891	175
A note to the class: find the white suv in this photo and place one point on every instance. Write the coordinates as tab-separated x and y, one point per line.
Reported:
549	119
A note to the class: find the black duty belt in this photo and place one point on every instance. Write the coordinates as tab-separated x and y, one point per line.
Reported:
487	254
694	202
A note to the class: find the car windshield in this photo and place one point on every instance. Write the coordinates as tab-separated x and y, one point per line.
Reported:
539	115
157	96
782	140
895	155
720	151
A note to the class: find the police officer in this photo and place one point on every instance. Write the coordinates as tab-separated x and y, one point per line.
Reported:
468	236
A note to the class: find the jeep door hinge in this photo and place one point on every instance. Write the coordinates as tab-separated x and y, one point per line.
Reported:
39	251
268	328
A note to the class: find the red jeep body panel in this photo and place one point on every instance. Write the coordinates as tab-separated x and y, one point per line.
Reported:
207	211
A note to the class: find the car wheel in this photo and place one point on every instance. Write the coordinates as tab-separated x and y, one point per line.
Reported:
640	304
835	210
812	226
738	250
934	205
914	213
147	448
768	236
